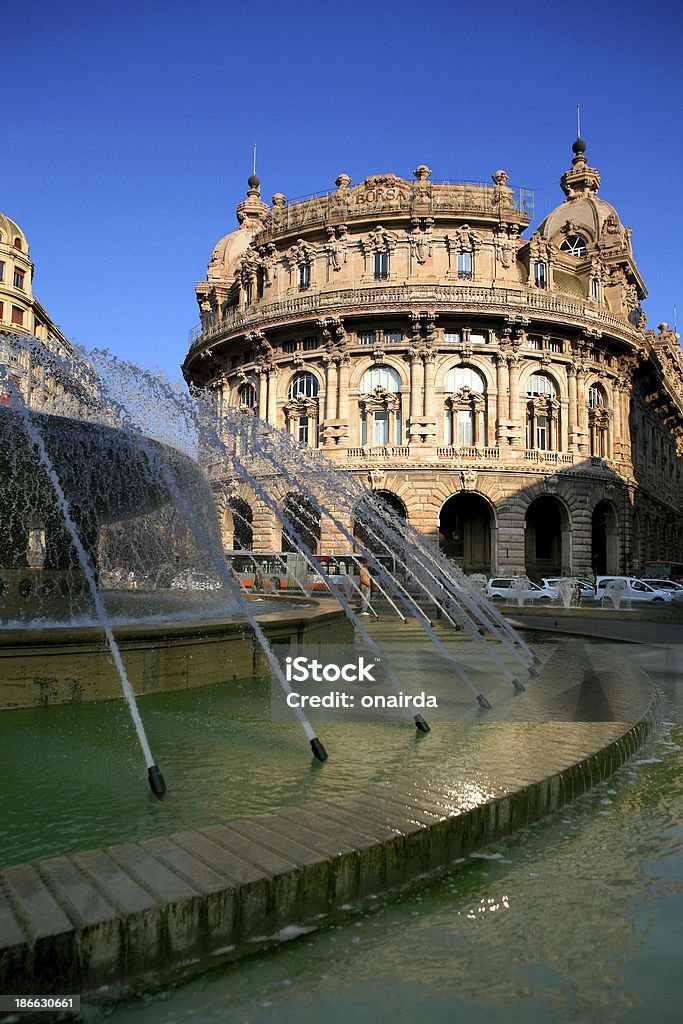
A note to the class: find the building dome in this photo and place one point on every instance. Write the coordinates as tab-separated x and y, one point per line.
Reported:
585	213
10	231
228	251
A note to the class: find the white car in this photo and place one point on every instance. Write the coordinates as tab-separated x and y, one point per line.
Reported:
627	588
668	586
512	588
553	584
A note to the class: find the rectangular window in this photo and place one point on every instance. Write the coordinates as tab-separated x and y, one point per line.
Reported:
310	343
392	337
19	279
464	427
541	275
304	276
447	427
533	343
465	266
381	266
2	271
381	433
366	338
302	433
398	429
289	346
542	433
555	346
17	316
363	428
247	294
451	337
2	310
478	339
595	289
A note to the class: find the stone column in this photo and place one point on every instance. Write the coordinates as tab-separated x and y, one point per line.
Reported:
571	411
343	403
502	380
331	397
263	394
429	372
581	410
272	397
517	427
416	388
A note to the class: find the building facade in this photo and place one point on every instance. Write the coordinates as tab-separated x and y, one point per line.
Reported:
46	371
502	392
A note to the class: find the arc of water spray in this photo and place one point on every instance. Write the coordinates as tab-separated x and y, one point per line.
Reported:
154	775
222	569
426	625
239	468
483	610
445	653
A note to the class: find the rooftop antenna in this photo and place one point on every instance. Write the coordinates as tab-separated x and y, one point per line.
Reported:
578	120
675	328
254	158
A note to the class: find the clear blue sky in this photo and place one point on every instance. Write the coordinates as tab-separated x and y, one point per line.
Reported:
128	130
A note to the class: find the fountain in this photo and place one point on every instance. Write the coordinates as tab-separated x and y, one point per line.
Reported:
120	491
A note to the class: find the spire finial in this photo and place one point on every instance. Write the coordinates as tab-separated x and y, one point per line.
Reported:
254	181
578	122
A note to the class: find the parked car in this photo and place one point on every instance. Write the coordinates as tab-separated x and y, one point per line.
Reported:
668	586
629	589
510	588
553	583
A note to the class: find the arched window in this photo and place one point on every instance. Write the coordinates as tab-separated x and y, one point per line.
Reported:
304	384
248	396
464	409
380	407
301	410
381	377
576	245
598	421
542	415
464	377
539	384
17	244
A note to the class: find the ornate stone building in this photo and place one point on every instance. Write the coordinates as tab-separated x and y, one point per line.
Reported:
500	391
35	369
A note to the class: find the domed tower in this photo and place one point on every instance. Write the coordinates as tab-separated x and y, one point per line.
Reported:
214	295
586	249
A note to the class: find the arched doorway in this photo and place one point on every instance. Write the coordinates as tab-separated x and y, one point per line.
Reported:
465	525
604	539
367	529
305	519
546	538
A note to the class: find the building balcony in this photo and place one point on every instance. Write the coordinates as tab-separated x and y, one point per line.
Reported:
461	298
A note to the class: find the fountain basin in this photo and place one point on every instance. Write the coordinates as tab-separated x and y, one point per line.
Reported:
137	909
59	665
